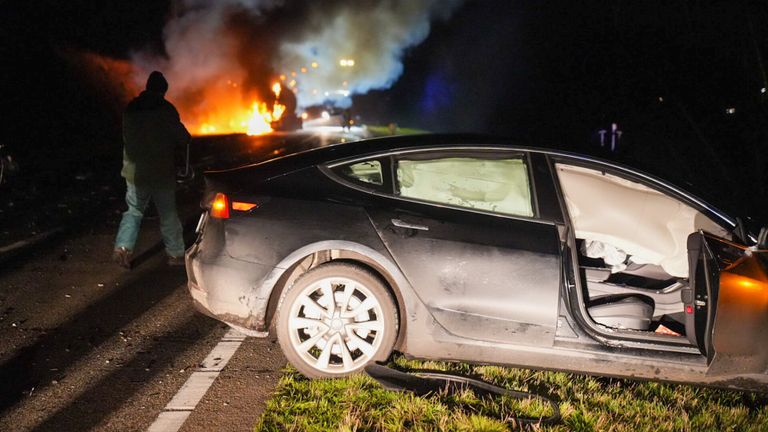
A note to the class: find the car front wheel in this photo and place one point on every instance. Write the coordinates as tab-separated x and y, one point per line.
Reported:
336	319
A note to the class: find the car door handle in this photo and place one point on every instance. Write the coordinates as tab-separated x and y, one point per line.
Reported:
403	224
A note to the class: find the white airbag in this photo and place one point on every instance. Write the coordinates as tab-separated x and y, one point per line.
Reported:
648	225
497	185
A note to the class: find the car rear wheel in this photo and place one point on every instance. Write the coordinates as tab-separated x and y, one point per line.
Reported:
336	319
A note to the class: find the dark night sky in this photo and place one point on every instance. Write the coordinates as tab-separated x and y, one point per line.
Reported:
549	72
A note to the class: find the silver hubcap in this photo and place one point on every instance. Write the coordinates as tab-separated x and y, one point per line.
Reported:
336	325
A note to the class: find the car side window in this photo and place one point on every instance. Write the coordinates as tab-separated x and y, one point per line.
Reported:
490	184
364	172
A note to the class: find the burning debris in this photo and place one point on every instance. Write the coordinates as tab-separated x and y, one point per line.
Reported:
262	117
250	65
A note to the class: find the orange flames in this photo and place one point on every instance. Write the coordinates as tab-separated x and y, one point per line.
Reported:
223	106
255	119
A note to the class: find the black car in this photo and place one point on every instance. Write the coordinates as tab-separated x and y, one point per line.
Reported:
473	249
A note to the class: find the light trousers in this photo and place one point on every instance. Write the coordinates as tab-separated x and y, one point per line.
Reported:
137	200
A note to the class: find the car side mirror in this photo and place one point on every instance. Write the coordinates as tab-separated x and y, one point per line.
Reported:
762	238
740	231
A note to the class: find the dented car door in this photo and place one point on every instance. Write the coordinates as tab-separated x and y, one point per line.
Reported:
727	307
466	234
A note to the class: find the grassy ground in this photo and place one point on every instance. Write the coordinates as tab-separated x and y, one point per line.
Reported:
379	131
586	404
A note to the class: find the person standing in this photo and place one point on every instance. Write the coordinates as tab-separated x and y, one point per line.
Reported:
151	130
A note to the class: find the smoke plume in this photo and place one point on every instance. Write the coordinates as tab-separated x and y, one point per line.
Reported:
221	56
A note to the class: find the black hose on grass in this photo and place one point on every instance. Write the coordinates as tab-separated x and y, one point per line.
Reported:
425	382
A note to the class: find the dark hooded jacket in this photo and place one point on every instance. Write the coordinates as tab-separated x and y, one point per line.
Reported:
151	131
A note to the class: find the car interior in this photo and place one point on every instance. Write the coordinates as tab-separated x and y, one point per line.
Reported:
632	248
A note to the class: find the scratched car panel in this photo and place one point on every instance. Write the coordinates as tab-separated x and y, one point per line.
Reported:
474	249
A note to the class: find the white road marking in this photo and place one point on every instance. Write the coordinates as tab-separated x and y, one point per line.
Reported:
192	391
184	402
36	239
169	421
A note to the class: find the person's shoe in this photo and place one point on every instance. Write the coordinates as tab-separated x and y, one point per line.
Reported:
176	261
122	257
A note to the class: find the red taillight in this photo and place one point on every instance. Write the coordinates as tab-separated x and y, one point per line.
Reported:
220	207
243	206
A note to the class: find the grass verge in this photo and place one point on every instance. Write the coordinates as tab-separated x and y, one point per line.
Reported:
380	131
586	403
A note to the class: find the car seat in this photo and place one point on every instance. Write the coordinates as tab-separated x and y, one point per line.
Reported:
622	312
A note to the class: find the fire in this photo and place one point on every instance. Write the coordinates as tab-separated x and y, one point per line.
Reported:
255	119
223	106
261	118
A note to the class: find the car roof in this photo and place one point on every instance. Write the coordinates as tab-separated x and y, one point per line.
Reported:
363	147
395	144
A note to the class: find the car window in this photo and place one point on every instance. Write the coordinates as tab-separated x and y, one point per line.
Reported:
364	172
496	185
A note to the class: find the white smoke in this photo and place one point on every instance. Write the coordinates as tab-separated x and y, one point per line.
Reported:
355	48
306	41
201	52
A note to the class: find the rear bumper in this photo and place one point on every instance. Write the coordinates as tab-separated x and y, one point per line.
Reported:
228	290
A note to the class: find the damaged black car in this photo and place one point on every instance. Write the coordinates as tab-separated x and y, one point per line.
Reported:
474	249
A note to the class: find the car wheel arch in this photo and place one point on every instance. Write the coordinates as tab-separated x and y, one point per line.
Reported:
313	255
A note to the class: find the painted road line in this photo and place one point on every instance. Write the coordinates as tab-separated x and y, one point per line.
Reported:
186	399
169	421
192	391
9	251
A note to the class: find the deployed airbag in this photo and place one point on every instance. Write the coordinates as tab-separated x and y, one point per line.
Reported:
497	185
648	225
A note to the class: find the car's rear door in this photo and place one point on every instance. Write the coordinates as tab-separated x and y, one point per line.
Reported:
727	306
466	231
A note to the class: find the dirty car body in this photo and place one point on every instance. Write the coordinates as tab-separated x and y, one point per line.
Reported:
473	249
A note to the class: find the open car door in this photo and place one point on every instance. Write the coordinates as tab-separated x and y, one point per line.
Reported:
726	305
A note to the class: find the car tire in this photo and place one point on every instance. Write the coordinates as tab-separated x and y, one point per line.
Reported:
328	339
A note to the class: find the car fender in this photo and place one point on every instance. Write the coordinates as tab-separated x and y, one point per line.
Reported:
269	299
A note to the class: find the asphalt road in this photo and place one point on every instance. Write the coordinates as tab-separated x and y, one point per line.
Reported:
86	345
